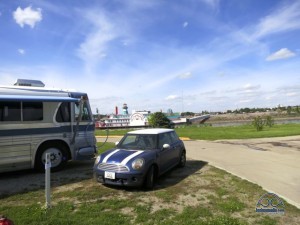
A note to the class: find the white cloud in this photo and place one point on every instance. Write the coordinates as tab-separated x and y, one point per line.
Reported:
21	51
213	92
283	53
285	18
221	74
245	101
98	38
245	89
290	94
185	24
251	87
186	75
27	16
125	42
288	88
212	3
172	97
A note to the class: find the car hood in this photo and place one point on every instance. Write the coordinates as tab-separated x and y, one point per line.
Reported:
122	156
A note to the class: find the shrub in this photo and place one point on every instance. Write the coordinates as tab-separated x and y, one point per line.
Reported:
259	123
269	121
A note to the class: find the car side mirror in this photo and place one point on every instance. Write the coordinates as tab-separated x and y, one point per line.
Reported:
116	143
166	146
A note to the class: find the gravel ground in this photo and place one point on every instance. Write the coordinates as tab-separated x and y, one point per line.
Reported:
27	180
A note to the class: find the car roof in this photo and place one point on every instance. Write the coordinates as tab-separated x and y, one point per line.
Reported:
151	131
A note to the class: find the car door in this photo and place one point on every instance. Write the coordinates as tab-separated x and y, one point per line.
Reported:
166	156
176	147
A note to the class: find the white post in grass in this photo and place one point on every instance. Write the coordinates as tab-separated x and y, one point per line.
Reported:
47	180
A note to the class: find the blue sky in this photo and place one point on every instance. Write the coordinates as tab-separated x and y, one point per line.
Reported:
189	55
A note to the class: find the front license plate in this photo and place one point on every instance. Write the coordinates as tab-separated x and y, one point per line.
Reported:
109	175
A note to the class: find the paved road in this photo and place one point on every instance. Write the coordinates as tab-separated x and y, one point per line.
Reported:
273	163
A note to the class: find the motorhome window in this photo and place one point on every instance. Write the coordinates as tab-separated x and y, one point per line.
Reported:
10	111
85	114
32	111
77	110
63	113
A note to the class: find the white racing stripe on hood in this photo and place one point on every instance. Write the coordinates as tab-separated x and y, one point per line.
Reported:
126	160
109	155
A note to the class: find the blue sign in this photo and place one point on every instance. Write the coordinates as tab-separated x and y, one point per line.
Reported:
270	203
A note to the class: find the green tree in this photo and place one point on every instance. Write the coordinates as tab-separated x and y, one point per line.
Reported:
187	114
159	119
246	110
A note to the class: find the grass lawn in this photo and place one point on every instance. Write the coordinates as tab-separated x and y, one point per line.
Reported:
237	132
233	132
196	194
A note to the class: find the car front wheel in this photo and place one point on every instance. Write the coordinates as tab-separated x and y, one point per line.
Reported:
149	181
182	159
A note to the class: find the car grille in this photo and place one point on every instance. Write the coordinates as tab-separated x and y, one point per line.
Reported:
112	167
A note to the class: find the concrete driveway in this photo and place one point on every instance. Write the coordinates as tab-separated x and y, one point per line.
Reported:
273	163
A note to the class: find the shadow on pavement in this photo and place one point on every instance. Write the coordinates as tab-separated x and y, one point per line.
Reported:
30	180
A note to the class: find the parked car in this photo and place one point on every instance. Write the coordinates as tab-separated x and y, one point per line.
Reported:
140	157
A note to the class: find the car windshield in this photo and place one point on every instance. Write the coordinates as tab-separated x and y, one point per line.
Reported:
139	141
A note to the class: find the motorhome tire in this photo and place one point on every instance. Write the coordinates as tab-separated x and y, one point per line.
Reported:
58	157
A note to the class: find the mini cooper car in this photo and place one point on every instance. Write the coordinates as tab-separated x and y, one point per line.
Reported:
140	157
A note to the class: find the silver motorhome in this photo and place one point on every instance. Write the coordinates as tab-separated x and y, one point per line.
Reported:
35	121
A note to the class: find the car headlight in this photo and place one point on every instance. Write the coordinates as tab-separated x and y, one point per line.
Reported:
98	159
137	164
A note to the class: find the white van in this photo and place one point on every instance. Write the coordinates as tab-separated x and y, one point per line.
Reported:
35	121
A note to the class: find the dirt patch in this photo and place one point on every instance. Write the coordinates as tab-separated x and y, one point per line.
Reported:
250	146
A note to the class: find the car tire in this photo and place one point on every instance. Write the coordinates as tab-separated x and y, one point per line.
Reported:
182	159
58	157
149	181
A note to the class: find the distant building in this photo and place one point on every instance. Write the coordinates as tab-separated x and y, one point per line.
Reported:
140	118
137	118
114	120
176	118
